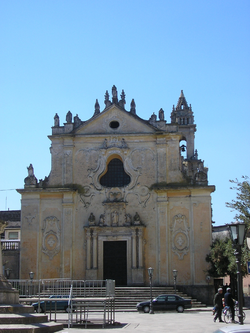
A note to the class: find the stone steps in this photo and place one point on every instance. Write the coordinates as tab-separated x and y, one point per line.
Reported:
18	318
126	298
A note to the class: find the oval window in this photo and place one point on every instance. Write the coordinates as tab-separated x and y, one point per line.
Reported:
114	124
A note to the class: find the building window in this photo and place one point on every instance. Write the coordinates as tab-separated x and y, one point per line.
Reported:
115	175
13	235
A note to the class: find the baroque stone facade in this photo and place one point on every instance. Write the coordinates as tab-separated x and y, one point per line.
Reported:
123	194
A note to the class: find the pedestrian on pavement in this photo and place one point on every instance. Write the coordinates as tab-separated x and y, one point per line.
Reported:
229	301
218	305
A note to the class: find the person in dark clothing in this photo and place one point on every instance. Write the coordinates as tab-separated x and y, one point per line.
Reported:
218	305
229	301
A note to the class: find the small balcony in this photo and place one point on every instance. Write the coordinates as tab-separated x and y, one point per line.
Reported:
13	245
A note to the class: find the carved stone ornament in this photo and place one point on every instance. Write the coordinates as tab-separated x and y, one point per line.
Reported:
91	219
180	235
30	218
51	236
3	225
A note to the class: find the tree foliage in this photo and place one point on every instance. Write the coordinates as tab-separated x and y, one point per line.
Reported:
242	202
222	259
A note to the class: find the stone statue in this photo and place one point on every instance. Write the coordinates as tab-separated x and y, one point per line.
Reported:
114	94
56	121
77	121
161	114
31	180
102	220
137	220
97	108
128	219
30	170
69	117
91	219
132	107
115	218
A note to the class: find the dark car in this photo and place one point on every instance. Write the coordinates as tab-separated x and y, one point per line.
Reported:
164	303
51	304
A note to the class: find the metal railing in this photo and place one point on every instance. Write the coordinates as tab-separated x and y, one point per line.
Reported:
80	288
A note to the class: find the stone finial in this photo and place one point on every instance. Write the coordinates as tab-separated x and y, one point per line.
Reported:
132	107
69	117
56	120
31	180
161	114
106	100
97	107
114	95
122	101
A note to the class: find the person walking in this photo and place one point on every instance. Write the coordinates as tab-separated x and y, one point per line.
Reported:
218	305
229	301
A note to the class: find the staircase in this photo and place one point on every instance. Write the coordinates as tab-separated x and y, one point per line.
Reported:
126	298
22	319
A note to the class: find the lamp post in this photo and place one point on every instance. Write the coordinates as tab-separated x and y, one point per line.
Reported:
175	277
237	234
31	274
150	273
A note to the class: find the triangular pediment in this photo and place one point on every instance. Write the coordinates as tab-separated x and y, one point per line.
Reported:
115	120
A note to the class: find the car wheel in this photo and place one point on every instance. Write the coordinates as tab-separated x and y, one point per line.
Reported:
180	308
146	309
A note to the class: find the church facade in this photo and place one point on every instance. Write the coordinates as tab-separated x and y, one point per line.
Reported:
120	197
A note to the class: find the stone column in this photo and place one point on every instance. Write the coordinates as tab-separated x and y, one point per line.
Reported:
133	248
88	249
94	249
140	234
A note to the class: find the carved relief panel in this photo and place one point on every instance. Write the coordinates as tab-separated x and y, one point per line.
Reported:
51	236
180	235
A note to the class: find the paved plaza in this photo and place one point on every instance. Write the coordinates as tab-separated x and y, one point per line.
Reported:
190	321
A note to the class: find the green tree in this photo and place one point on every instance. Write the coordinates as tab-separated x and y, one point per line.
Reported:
242	202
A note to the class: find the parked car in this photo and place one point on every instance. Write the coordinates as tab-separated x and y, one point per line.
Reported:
164	303
52	305
234	329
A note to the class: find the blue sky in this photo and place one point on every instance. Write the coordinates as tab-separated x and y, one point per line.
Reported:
62	55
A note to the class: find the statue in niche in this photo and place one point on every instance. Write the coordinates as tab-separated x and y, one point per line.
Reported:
114	218
102	220
128	219
91	219
69	117
137	220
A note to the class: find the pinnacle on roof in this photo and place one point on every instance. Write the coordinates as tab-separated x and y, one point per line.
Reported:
182	103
